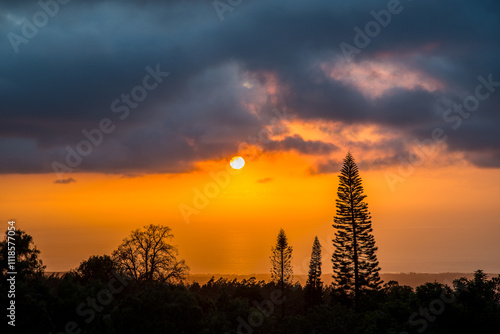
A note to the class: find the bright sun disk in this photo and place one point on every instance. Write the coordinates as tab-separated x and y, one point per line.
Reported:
237	162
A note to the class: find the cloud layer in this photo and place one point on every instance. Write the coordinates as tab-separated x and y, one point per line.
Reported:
226	77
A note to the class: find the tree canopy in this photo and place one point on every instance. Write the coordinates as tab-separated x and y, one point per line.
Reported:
28	262
147	255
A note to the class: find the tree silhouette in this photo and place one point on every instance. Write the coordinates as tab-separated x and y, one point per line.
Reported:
146	255
355	265
281	263
28	264
313	291
95	268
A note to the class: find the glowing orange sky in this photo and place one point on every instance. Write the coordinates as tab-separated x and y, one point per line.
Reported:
439	219
289	101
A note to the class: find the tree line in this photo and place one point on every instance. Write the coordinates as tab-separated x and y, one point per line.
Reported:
141	288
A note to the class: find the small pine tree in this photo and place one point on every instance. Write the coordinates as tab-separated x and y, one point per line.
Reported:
355	265
281	264
313	291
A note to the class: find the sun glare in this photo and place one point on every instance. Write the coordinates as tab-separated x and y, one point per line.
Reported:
237	162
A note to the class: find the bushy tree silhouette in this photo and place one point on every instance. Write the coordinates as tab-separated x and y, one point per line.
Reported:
30	296
355	264
96	267
28	264
146	255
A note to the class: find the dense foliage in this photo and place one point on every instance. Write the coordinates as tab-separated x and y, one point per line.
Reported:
51	304
97	298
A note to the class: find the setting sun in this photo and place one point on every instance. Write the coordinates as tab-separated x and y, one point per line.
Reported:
237	162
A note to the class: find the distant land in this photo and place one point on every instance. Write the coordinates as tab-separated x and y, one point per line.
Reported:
410	279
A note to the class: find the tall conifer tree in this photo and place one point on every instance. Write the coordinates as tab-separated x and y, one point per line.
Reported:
281	264
313	291
355	264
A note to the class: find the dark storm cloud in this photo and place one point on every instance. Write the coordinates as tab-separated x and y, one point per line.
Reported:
64	79
335	165
326	167
297	143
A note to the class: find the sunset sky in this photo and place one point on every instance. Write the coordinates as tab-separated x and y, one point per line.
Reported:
118	114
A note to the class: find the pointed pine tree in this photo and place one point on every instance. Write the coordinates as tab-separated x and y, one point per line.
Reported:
355	265
313	291
281	264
